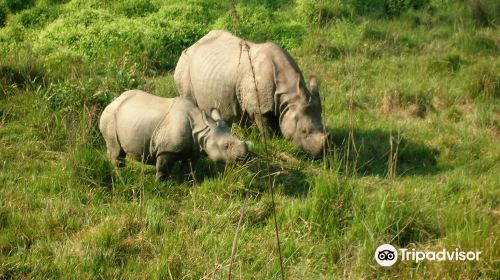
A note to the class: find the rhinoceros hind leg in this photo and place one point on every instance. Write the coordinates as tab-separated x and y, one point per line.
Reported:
116	155
164	163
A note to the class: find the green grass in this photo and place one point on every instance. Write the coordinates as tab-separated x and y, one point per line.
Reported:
424	73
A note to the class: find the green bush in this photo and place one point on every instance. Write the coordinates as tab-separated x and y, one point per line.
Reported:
166	47
91	33
19	5
3	14
37	16
260	25
131	8
194	11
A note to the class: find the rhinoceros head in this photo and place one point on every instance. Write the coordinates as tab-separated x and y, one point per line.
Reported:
220	144
300	119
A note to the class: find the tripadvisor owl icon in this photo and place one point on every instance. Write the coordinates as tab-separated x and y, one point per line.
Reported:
386	255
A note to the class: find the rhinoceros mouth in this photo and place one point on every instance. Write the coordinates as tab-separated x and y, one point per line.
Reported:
243	158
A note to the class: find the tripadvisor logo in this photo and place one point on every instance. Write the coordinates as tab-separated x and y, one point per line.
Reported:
387	255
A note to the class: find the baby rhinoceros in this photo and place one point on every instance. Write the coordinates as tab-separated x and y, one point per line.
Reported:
161	131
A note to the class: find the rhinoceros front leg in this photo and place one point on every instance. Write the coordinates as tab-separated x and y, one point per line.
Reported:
164	163
187	167
266	124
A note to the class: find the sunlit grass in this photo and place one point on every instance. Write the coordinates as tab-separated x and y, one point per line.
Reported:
427	77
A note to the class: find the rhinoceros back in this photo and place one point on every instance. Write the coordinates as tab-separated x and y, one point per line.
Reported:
136	115
207	72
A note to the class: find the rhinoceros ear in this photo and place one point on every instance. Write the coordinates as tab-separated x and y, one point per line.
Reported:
314	85
215	114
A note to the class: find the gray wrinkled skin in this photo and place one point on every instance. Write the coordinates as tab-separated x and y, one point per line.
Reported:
216	72
161	131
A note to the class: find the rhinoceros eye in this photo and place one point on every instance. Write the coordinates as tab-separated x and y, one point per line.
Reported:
226	146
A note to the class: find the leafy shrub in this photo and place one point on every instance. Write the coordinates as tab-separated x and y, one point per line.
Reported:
260	24
37	16
19	5
124	73
167	46
91	33
194	11
131	8
3	14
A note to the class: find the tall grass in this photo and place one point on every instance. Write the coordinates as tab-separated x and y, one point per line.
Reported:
410	96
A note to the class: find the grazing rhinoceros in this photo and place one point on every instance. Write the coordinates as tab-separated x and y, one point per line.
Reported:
216	72
161	131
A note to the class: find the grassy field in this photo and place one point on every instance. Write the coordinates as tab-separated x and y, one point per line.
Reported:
411	91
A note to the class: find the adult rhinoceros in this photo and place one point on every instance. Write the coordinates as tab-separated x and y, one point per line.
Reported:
217	72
